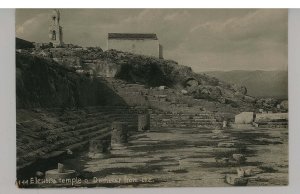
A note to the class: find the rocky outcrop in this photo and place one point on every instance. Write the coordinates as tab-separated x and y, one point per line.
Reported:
150	72
42	82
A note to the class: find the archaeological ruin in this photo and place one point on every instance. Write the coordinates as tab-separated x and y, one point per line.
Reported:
126	117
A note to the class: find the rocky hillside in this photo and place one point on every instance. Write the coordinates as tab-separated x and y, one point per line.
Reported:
76	63
153	72
258	83
41	82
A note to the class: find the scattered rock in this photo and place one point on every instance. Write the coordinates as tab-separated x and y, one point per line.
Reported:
222	160
235	180
162	87
192	83
284	105
226	144
217	131
39	174
224	124
60	168
184	92
249	99
242	172
240	158
69	152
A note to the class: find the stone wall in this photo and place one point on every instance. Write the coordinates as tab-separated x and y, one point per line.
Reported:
183	120
69	61
102	68
244	118
261	117
146	47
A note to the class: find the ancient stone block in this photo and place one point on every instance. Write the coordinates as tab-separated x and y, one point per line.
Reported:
240	172
264	117
224	124
235	180
54	174
222	160
98	148
60	168
118	134
244	172
184	91
60	173
284	105
240	158
143	122
39	174
244	118
162	87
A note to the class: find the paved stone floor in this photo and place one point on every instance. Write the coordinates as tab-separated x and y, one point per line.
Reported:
187	157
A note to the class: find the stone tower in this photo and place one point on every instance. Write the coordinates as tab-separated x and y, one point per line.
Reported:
55	30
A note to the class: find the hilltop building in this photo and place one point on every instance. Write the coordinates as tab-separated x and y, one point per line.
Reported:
142	44
55	30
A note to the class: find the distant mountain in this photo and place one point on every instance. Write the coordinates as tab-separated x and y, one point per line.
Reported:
258	83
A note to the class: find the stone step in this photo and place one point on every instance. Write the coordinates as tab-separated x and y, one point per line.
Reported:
62	143
273	123
185	126
181	119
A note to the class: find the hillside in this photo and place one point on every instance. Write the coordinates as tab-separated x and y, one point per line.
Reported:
43	83
258	83
148	71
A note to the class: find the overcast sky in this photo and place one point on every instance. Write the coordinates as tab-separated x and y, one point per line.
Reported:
205	39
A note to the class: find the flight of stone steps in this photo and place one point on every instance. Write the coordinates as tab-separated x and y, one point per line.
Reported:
45	134
168	108
167	100
273	124
169	120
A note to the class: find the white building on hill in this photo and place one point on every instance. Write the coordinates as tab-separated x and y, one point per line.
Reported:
142	44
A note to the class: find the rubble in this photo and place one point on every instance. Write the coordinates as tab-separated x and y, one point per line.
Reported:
226	144
235	180
239	158
244	172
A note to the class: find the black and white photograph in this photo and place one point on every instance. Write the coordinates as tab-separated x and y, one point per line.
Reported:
123	98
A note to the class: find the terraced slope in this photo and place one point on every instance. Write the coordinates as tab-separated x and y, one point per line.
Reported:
44	134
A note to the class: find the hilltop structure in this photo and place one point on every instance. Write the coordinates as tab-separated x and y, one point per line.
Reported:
55	30
141	44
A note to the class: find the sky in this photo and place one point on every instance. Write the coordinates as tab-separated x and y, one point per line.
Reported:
204	39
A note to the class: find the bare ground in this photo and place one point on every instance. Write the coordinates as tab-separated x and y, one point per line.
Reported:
187	158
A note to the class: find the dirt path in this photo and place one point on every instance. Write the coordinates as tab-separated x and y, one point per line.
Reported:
187	157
